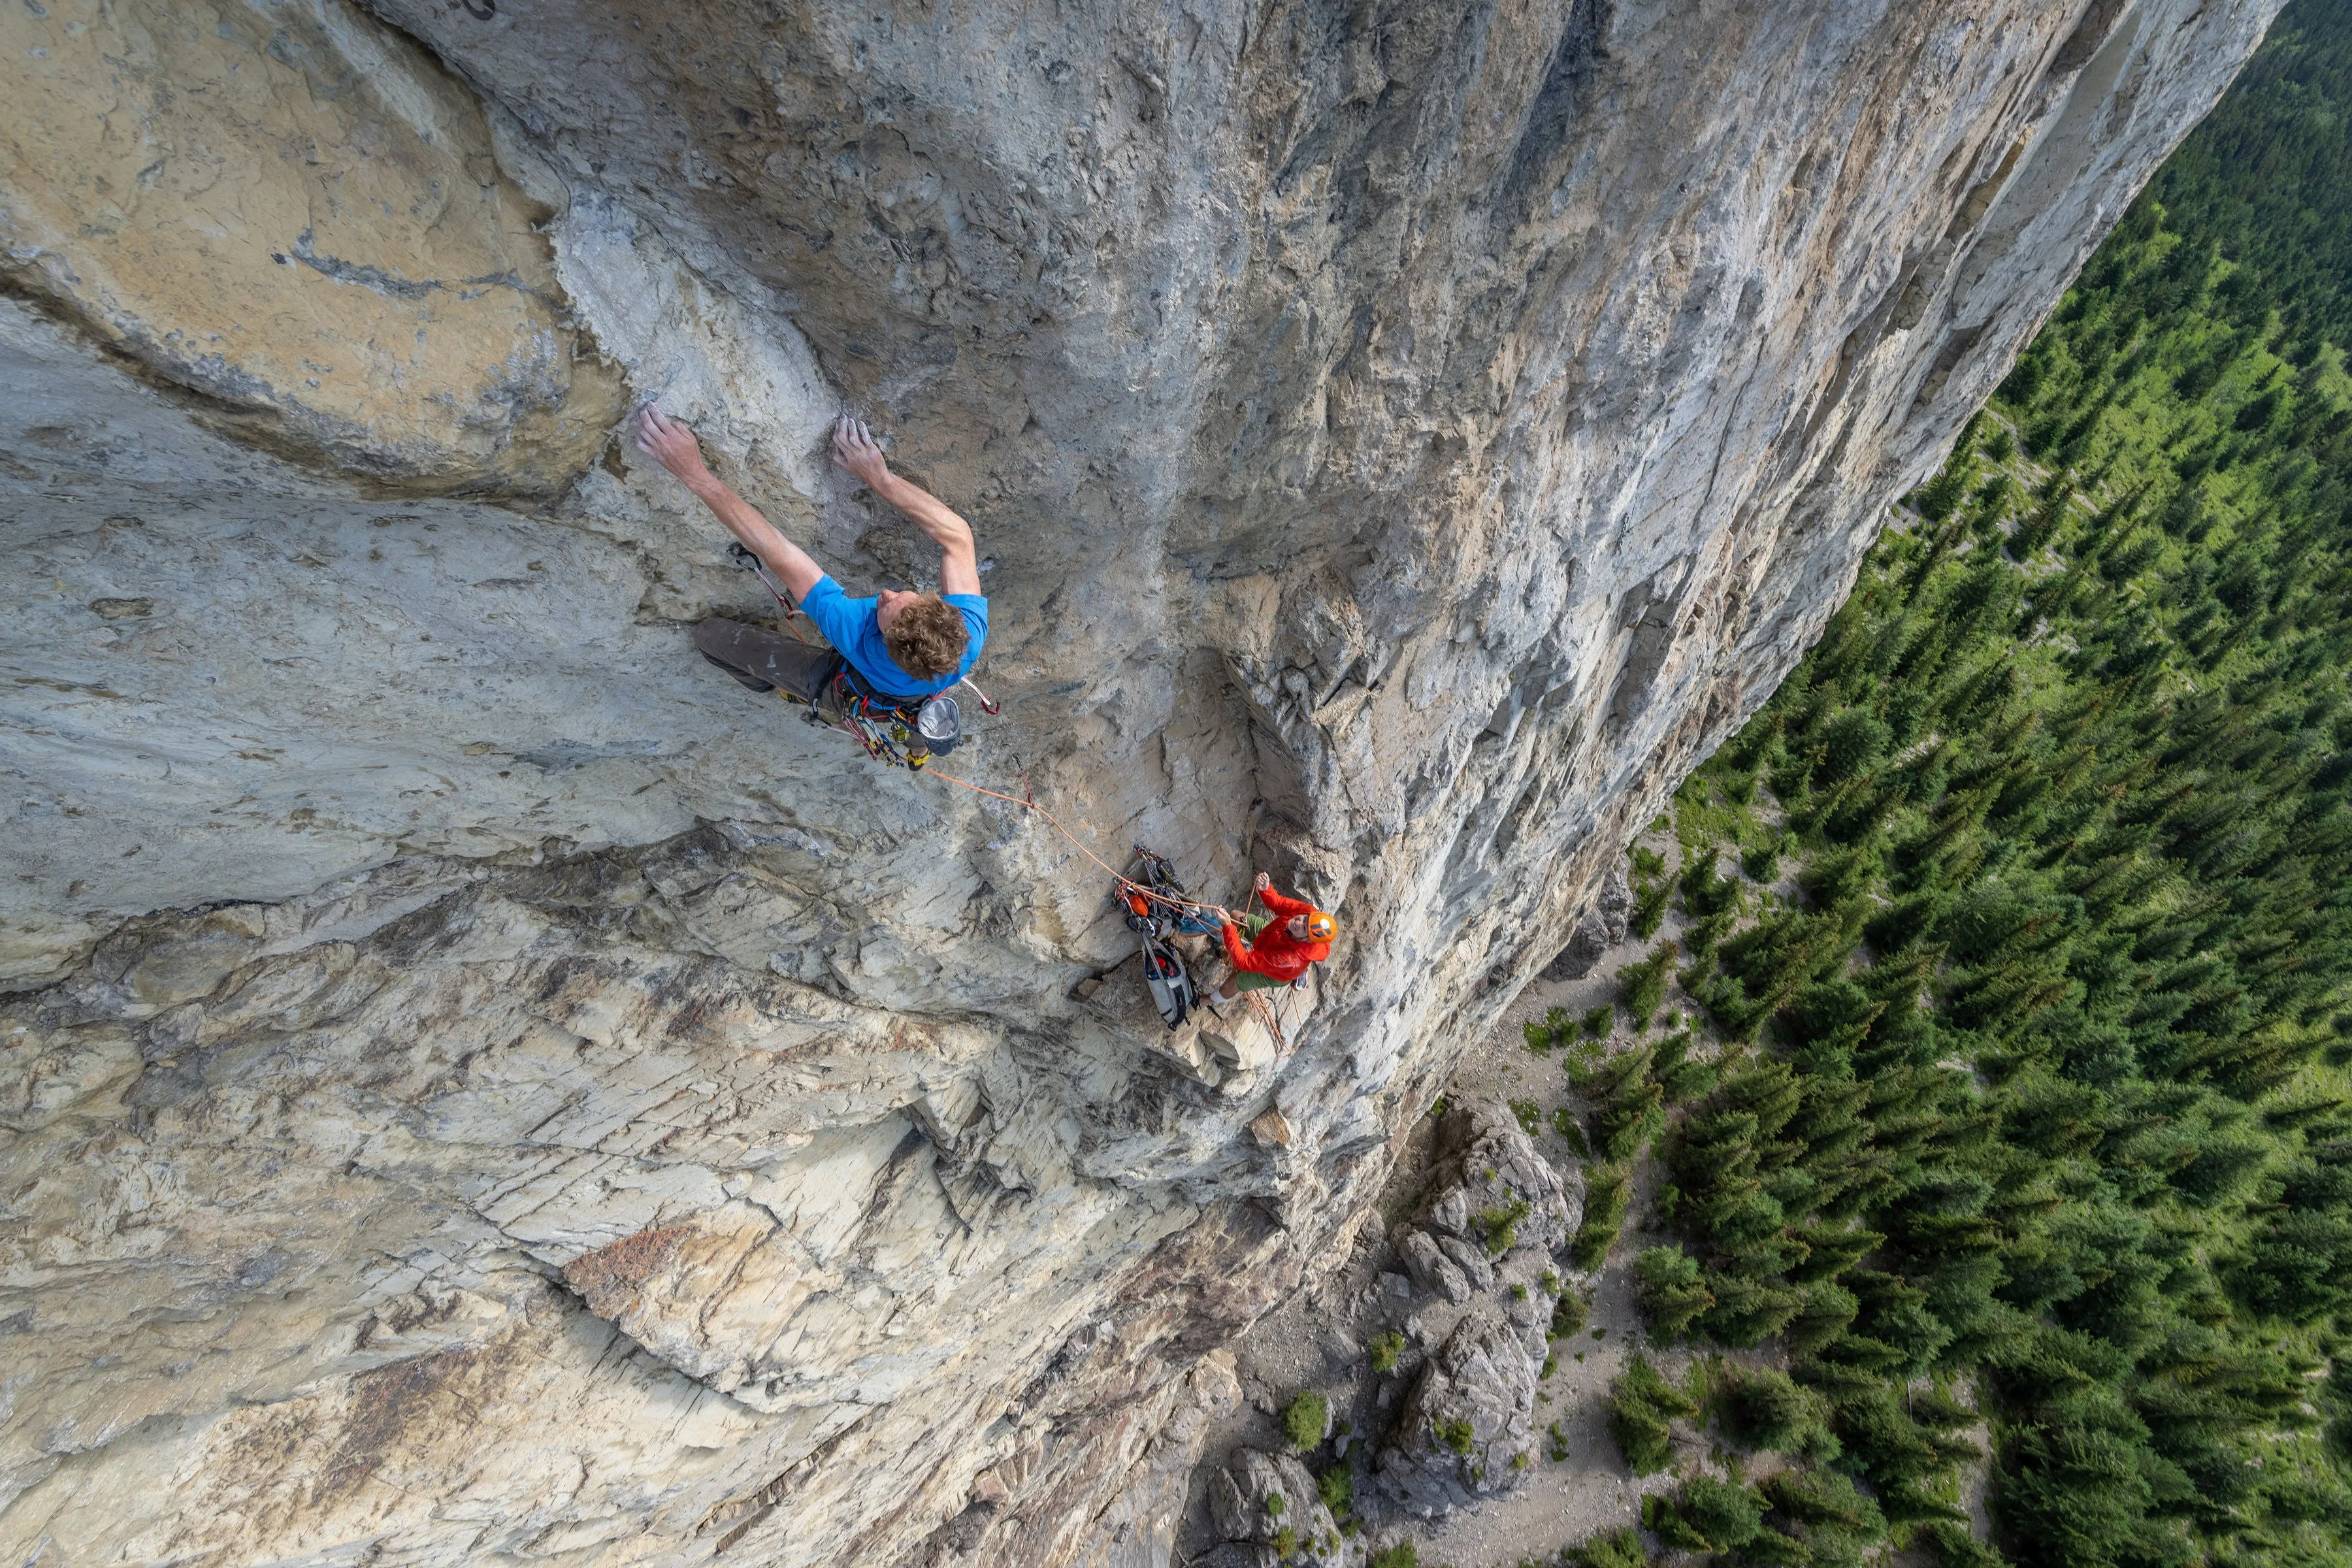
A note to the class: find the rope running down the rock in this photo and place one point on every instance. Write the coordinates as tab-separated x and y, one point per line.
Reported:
1124	880
791	613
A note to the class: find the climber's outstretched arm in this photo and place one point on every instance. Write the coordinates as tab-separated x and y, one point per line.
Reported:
854	449
673	446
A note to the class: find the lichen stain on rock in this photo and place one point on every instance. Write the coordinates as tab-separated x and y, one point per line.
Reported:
386	1406
610	1277
300	217
280	1471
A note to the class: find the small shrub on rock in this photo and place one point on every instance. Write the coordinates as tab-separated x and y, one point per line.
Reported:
1303	1422
1500	1226
1531	1115
1386	1348
1568	1315
1337	1488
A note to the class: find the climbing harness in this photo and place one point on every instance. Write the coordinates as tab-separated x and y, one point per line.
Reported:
895	732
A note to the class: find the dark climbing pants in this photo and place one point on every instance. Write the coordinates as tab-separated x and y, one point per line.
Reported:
764	660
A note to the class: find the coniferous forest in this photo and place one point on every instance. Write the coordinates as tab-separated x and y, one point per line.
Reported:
2009	1145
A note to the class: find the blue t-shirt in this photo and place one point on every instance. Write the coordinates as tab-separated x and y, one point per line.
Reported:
854	628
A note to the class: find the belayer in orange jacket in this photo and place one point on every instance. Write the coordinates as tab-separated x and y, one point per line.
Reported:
1279	949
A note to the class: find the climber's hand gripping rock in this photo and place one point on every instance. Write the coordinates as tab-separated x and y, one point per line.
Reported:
899	648
673	446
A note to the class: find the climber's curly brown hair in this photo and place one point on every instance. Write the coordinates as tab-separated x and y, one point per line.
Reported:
928	638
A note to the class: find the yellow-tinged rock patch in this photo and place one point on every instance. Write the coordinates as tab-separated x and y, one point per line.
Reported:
297	213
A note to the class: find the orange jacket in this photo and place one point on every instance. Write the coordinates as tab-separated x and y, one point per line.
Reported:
1272	952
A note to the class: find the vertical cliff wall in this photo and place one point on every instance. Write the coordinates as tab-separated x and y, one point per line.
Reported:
481	1087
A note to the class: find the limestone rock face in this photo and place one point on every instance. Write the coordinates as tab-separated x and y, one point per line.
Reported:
479	1085
1497	1196
1601	927
1255	1497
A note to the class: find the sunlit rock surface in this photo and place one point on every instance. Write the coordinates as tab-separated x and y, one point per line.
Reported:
292	213
481	1087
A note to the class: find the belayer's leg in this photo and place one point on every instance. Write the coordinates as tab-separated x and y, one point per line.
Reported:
763	660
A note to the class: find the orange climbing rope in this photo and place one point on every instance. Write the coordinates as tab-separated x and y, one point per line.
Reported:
1120	878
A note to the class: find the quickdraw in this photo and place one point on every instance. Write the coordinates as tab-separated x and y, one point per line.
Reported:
886	732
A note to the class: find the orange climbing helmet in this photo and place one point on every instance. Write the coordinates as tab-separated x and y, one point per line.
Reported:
1319	926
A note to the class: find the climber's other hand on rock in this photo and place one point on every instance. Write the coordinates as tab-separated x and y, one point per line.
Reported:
855	448
671	444
1263	882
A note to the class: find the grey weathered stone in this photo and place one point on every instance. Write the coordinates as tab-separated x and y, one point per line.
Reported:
487	1086
1469	1417
1432	1268
1243	1496
1471	1259
1491	1176
1597	929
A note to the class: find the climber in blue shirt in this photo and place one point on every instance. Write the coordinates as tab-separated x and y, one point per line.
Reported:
899	646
